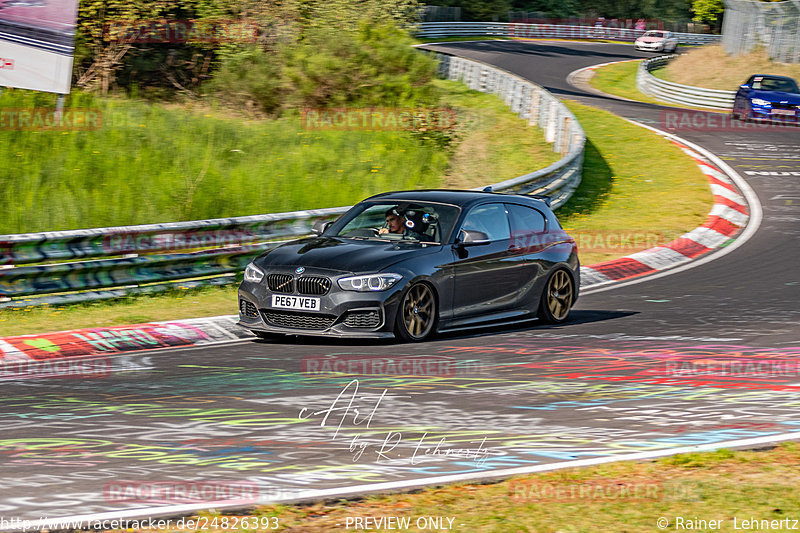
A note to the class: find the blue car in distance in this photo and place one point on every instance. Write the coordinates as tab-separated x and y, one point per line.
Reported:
767	97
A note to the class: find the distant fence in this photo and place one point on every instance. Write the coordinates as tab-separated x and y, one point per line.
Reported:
773	25
105	263
520	30
677	93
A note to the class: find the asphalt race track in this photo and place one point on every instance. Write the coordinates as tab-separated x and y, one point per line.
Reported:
629	374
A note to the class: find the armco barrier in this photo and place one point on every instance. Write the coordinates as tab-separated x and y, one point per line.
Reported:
111	262
520	30
677	93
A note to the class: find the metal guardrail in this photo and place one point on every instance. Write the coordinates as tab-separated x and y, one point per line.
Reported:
520	30
104	263
677	93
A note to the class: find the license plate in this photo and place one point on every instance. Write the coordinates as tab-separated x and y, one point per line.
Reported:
789	112
299	303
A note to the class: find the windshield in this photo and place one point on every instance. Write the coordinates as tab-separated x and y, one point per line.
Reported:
397	221
654	33
775	84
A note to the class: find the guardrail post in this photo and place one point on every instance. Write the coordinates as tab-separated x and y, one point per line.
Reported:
552	122
565	135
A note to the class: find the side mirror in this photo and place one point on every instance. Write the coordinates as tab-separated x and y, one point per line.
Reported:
744	86
320	226
469	237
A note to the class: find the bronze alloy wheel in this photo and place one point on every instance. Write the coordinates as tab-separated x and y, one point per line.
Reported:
416	316
557	298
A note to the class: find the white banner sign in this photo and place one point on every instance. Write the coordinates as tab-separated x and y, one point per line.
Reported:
36	44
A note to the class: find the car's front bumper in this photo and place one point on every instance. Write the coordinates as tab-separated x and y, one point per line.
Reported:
341	314
767	114
650	47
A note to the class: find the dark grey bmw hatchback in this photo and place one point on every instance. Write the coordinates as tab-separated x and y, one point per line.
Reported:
413	263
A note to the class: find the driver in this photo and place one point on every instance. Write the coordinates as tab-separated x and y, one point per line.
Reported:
395	222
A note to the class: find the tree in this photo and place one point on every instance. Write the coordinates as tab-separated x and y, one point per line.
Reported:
707	11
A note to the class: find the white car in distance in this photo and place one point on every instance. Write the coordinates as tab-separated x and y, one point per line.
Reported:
657	41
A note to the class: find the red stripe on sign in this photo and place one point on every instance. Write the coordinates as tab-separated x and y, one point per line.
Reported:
722	226
623	268
733	204
687	247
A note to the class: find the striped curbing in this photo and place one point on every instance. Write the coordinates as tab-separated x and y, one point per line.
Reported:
728	216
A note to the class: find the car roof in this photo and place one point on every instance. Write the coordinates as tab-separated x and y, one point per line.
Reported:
461	198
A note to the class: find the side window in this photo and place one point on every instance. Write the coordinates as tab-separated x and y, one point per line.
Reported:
490	219
525	220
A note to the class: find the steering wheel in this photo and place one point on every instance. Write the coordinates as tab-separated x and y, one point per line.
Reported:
362	232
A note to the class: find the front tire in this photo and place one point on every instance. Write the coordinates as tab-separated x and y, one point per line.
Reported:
417	314
557	297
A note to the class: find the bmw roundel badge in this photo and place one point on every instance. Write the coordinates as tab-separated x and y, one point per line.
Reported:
299	270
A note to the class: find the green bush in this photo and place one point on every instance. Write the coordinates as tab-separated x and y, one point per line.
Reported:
373	65
250	79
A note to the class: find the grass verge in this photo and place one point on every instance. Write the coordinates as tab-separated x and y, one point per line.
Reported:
494	144
619	79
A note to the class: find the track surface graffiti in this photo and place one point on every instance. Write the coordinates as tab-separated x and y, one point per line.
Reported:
255	416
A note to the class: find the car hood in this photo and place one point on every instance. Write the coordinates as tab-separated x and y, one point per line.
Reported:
344	255
650	39
776	96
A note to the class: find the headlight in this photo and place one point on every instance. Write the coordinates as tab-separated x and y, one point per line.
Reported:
253	273
759	101
372	282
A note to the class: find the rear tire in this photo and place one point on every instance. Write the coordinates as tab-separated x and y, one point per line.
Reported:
417	314
557	297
